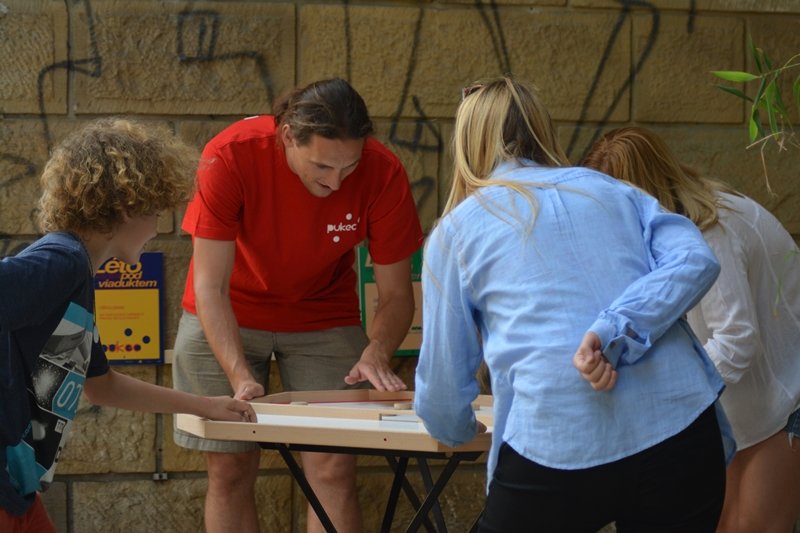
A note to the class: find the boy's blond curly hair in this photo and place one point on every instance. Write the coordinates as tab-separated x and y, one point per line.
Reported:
114	168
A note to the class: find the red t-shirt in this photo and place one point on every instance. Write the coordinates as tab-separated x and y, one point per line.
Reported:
293	268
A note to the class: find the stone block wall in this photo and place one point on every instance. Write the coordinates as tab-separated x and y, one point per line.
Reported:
198	66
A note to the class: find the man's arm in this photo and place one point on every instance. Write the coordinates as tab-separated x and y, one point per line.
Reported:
213	265
388	328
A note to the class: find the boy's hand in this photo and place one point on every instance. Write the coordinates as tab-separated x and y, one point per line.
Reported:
593	365
230	410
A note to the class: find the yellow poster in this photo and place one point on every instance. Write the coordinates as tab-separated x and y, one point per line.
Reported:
128	309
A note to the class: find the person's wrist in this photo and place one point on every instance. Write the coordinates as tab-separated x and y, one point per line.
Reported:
378	347
240	381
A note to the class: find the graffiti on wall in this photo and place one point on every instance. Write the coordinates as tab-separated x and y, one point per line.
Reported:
197	34
196	38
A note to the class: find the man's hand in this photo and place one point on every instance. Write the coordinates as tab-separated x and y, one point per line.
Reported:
593	365
228	409
374	367
248	389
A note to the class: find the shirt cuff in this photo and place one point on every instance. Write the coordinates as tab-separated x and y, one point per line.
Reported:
612	343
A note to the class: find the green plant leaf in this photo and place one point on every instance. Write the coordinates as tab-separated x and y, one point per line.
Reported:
780	105
767	62
754	53
734	75
753	128
758	99
734	92
796	91
774	95
769	117
768	101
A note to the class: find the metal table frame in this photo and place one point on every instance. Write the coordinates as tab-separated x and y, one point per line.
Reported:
398	461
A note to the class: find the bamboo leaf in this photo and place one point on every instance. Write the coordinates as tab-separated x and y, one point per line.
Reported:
796	91
758	99
767	62
773	123
734	75
754	53
734	92
753	129
774	95
769	115
775	106
756	129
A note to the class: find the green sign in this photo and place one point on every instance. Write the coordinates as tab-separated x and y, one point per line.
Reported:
368	296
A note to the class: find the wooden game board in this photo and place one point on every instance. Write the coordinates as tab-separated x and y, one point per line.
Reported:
359	418
362	422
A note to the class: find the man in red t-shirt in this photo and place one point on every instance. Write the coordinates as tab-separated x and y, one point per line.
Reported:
281	202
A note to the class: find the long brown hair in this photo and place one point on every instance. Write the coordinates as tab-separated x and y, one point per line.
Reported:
328	108
640	157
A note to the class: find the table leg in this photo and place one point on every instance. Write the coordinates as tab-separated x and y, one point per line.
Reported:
300	478
433	494
391	504
428	481
399	470
474	528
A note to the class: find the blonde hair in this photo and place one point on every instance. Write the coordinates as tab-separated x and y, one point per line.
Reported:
110	169
500	120
638	156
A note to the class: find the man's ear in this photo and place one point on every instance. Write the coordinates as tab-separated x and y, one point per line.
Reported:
286	135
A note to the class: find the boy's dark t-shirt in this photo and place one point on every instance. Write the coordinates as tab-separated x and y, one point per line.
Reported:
48	346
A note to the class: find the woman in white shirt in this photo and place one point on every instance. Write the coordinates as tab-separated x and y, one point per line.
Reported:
749	323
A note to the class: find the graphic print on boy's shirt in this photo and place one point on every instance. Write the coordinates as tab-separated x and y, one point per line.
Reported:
57	384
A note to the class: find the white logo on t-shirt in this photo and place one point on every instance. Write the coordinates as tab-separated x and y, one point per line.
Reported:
341	227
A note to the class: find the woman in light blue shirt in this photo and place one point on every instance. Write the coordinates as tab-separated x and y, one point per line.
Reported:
540	270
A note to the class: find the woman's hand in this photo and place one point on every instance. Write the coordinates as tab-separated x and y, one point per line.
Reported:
593	365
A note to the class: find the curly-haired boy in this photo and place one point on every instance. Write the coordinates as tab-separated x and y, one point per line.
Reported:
103	189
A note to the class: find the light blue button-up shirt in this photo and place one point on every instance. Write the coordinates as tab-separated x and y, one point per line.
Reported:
600	256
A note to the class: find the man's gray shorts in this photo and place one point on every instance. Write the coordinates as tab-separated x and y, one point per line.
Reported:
313	360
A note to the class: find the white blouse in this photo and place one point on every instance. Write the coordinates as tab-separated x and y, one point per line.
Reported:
749	321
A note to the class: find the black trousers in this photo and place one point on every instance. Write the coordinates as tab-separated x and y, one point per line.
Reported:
675	486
